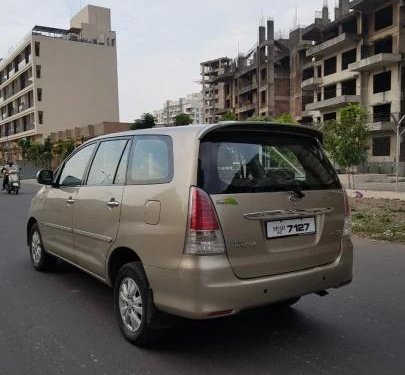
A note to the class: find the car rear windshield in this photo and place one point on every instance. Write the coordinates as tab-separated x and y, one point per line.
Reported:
248	162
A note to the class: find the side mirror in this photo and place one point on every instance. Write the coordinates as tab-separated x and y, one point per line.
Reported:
45	177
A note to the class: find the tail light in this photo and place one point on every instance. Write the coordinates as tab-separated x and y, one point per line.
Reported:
204	234
347	226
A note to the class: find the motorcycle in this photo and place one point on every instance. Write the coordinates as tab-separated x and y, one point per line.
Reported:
13	185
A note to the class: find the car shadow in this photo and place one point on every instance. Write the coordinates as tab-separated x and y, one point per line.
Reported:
254	332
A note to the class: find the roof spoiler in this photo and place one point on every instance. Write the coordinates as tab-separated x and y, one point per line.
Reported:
265	126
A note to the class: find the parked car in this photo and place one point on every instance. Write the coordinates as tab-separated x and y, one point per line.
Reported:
196	221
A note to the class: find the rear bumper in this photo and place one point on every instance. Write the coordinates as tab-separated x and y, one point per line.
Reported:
205	285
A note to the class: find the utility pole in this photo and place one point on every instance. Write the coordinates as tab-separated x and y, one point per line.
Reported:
400	133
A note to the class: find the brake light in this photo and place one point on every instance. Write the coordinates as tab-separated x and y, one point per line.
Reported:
204	235
347	226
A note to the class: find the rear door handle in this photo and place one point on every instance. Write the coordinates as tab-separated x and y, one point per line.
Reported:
70	200
112	203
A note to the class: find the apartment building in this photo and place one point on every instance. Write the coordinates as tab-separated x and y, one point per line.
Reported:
56	79
191	104
357	58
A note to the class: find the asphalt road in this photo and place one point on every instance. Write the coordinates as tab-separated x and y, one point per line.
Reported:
63	322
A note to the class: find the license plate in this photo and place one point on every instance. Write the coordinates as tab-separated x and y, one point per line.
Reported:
290	227
15	184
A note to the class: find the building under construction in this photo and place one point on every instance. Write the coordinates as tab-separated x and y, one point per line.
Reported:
358	57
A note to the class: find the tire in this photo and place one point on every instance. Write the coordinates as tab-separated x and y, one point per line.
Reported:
40	259
133	304
8	191
16	191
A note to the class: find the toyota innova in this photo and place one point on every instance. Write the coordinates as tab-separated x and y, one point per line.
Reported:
196	221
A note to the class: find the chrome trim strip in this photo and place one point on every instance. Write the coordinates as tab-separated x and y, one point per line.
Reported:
56	226
283	214
94	236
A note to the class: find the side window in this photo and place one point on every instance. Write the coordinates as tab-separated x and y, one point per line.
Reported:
105	163
151	160
73	171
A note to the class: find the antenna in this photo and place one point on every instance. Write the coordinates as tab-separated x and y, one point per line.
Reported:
296	17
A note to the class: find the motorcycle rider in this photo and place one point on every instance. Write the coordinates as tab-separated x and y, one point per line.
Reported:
5	170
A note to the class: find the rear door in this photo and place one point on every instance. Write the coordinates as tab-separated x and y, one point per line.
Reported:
277	197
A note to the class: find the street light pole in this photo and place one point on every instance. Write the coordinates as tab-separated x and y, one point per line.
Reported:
400	133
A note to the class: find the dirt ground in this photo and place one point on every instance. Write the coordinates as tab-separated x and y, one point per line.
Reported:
380	219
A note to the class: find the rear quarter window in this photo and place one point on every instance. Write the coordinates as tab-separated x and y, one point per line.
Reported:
151	160
249	162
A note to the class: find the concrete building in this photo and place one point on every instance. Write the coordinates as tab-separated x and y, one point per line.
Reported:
192	105
263	82
84	133
58	78
319	69
357	58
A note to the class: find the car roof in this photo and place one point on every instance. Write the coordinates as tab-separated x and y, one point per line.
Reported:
199	131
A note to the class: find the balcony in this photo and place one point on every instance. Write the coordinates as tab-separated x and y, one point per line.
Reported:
374	62
246	88
244	107
311	83
381	126
338	101
334	44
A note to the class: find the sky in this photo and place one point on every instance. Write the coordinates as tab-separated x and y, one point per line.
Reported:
160	43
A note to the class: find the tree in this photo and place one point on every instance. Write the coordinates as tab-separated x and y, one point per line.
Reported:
260	119
146	121
63	149
285	118
25	144
228	116
183	119
346	140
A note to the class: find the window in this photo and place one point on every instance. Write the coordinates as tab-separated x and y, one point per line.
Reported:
329	92
350	26
381	146
382	82
263	74
319	96
329	117
319	69
37	49
38	71
348	58
255	162
263	97
383	18
39	95
382	113
307	73
349	87
383	46
73	170
151	161
105	163
40	117
329	66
